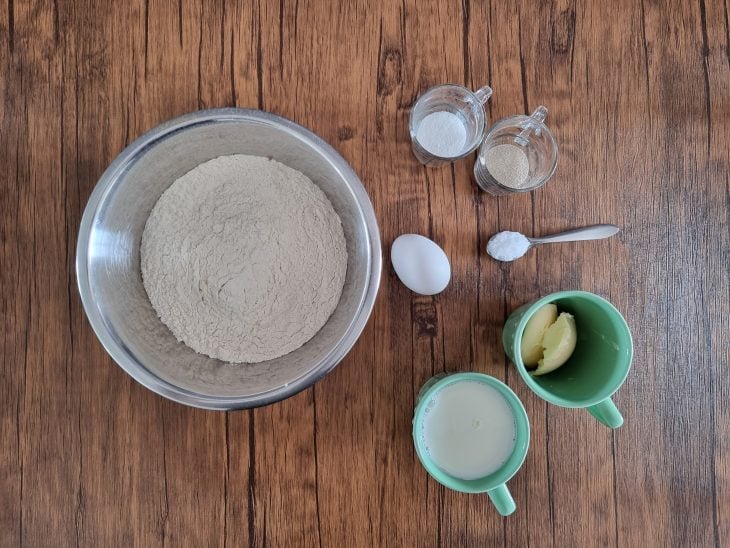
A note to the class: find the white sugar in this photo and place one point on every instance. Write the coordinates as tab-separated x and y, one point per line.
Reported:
442	134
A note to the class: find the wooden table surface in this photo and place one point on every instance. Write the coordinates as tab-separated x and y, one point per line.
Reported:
639	99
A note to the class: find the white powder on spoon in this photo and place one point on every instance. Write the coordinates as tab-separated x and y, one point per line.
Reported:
243	258
442	134
508	246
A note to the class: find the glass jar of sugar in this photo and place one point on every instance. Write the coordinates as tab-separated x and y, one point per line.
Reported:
519	154
447	123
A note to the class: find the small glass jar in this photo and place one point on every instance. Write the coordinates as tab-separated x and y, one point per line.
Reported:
523	169
466	105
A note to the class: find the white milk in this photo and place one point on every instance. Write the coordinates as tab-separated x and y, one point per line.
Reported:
469	429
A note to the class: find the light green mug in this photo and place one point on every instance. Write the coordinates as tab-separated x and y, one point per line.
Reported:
495	483
599	364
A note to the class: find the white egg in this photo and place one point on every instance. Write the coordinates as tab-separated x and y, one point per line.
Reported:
420	264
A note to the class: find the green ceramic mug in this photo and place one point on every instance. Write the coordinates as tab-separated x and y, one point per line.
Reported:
599	364
495	483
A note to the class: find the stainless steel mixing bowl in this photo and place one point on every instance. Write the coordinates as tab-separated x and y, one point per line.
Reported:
108	270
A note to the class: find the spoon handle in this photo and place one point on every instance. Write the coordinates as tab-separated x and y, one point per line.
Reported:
593	232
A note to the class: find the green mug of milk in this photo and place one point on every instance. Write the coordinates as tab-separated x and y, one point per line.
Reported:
597	367
471	434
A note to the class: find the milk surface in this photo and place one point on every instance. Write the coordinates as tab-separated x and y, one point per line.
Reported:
469	429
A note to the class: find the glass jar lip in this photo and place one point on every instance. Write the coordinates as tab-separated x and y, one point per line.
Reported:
515	120
448	85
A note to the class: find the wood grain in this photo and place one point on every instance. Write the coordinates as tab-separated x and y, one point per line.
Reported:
639	99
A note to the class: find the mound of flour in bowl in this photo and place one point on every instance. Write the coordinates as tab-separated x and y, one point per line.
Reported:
243	258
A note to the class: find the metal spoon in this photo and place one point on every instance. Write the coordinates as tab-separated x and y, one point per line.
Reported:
508	246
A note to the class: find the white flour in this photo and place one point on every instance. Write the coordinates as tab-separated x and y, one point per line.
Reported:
442	133
243	258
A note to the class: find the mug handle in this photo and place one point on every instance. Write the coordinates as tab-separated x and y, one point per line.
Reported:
483	94
502	500
607	413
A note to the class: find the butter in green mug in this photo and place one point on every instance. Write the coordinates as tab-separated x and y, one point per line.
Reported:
549	339
531	344
599	365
